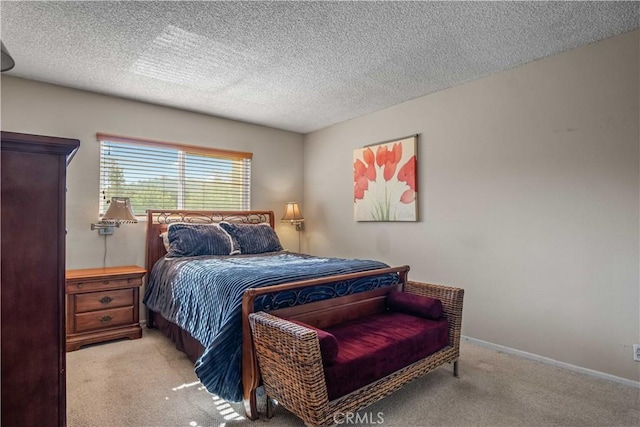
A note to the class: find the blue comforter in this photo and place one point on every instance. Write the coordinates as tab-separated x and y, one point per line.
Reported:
203	295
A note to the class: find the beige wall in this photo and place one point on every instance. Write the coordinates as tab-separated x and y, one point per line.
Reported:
529	200
33	107
528	179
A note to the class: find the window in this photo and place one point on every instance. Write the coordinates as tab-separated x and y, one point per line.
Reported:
159	175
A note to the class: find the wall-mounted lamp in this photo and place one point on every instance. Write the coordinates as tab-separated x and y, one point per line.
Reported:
6	62
293	215
119	212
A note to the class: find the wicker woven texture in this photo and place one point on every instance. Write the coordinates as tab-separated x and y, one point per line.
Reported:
291	365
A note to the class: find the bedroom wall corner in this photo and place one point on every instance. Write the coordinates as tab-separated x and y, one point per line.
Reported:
529	189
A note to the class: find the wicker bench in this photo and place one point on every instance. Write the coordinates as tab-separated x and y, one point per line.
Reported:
289	354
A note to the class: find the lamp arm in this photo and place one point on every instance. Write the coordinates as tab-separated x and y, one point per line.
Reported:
104	225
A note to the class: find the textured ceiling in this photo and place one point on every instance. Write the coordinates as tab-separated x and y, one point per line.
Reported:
299	66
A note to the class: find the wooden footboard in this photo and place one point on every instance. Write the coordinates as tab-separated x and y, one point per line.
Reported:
321	313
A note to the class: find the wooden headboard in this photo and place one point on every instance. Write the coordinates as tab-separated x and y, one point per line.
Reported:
158	220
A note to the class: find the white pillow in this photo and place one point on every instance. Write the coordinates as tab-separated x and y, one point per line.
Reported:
165	240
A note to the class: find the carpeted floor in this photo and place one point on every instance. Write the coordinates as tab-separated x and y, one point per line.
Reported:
147	382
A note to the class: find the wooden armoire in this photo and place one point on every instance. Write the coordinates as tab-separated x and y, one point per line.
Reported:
32	257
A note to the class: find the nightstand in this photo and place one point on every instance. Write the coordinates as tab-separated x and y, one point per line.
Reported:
102	304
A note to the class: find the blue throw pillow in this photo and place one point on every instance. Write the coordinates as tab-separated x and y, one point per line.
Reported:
199	239
253	238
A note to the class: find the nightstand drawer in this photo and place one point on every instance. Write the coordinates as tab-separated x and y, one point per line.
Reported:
102	304
102	284
103	319
104	300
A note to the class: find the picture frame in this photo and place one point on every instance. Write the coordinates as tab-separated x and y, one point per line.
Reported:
385	181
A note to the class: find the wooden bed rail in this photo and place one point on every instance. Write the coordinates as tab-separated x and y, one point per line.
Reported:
250	371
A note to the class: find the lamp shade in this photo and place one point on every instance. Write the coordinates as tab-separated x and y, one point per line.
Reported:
292	213
119	212
7	62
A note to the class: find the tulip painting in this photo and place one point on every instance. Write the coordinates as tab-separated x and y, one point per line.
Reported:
384	181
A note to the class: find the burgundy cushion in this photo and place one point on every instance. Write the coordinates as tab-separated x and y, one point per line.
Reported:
375	346
417	305
328	343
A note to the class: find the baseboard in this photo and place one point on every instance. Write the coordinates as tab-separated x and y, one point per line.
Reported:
552	362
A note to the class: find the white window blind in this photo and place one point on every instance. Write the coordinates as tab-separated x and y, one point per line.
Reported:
160	175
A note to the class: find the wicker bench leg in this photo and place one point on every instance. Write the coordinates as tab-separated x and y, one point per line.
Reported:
455	368
269	407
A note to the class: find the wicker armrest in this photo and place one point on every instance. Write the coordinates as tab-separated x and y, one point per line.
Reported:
291	364
451	303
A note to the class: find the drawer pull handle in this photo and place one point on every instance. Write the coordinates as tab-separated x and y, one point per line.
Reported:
105	300
105	319
80	285
105	282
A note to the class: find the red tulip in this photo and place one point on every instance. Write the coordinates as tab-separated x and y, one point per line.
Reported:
389	159
408	196
381	155
359	169
360	179
407	173
397	153
359	187
369	158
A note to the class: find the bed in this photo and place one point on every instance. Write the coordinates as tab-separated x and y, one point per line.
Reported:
195	298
